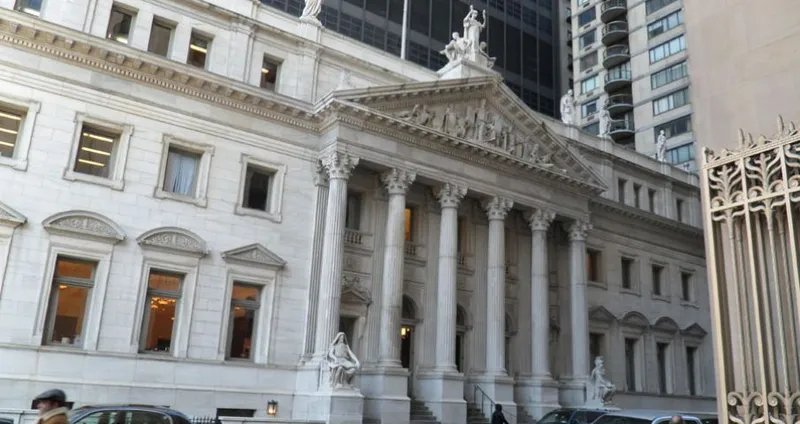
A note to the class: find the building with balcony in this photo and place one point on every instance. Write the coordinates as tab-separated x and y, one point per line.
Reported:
199	196
630	57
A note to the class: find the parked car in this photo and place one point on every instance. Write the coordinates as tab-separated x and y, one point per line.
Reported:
644	417
126	414
572	416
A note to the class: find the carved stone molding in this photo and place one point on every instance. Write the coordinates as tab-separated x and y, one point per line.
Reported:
579	230
398	181
9	217
635	320
450	195
666	325
353	286
694	331
319	174
174	239
254	254
84	223
540	219
601	314
497	207
339	165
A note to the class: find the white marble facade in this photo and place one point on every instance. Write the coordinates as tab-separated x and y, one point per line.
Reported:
504	252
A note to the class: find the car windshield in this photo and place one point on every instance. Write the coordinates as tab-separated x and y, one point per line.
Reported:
560	416
616	419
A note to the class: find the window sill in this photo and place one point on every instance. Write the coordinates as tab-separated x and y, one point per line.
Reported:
630	292
18	164
118	185
274	217
62	347
197	201
690	304
661	298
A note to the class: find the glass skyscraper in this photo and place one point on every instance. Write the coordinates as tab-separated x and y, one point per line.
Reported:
523	35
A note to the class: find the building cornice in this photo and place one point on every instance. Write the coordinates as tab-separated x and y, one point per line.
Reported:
603	204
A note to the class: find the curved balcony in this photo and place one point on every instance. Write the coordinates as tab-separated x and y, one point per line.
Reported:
615	55
619	103
616	79
612	9
620	128
614	32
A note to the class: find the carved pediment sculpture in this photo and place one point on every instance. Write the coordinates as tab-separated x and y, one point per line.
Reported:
85	223
467	46
256	255
352	286
174	239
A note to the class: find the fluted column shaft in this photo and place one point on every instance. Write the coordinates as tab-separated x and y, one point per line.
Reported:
397	182
321	183
496	210
539	221
339	166
449	196
579	308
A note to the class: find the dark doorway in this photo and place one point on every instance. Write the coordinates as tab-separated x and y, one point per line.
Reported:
460	353
347	325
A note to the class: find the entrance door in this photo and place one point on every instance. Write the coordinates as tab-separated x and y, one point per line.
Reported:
407	352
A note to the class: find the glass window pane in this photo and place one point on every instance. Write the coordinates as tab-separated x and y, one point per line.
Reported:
95	151
159	324
198	50
256	190
69	311
164	281
160	37
242	324
409	221
181	172
10	123
73	268
245	292
269	73
119	25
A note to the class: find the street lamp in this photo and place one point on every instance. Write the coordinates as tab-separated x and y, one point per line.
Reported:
272	408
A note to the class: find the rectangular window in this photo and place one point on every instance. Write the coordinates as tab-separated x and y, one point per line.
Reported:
590	84
161	305
593	265
637	196
95	151
658	273
588	61
198	49
182	171
10	126
352	219
257	188
627	273
651	200
662	351
665	24
667	49
589	108
675	127
587	39
595	346
73	281
691	370
681	154
409	224
630	364
686	286
679	209
656	5
245	303
587	17
621	184
269	73
33	7
668	75
593	128
119	26
671	101
160	38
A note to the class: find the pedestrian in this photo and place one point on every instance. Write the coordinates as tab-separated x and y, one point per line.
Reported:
52	407
497	416
676	419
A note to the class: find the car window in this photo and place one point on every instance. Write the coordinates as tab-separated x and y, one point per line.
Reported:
148	417
593	415
560	416
103	417
615	419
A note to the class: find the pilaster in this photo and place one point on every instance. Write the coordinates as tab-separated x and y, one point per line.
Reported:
320	178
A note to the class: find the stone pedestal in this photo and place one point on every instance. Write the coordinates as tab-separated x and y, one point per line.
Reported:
537	395
443	393
315	400
572	392
464	68
386	395
500	389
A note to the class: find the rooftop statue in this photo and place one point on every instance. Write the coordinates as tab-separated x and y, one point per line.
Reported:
468	46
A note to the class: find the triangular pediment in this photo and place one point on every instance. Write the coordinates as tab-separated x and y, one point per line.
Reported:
479	115
601	314
10	217
694	330
354	291
254	254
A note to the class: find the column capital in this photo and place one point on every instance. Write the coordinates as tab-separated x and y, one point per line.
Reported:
397	180
339	164
497	207
540	219
450	194
319	174
579	230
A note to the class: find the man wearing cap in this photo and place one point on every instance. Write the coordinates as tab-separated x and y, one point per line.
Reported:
51	406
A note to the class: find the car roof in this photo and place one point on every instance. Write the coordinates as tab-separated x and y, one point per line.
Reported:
153	408
648	414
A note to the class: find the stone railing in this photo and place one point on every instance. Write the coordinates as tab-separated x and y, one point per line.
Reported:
357	238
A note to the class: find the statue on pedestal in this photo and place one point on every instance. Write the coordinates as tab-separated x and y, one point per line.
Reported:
661	146
602	390
311	10
468	46
605	120
342	363
568	108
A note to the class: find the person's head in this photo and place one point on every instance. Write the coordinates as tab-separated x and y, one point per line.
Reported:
50	400
676	419
498	407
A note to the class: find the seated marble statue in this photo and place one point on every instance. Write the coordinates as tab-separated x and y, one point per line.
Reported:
602	389
342	363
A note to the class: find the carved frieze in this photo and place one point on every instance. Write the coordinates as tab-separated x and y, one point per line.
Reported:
84	223
175	239
254	254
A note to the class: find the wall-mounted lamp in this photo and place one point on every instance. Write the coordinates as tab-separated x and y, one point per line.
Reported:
272	408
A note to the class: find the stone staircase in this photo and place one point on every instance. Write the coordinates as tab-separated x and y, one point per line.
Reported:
475	416
420	414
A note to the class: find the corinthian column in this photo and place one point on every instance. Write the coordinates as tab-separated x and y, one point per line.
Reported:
397	182
539	221
496	210
338	166
578	232
449	196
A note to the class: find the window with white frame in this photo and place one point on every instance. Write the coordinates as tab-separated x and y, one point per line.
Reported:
671	101
245	306
667	49
668	75
587	38
587	16
163	298
120	24
199	44
10	127
261	190
588	61
653	6
675	127
160	37
100	151
589	108
681	154
33	7
269	73
17	118
665	24
184	171
73	281
590	84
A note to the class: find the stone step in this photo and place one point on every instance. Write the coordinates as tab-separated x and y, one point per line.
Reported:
420	414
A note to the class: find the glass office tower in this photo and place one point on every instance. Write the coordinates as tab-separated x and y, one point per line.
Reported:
523	35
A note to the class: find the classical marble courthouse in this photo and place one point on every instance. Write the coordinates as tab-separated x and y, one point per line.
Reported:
197	195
